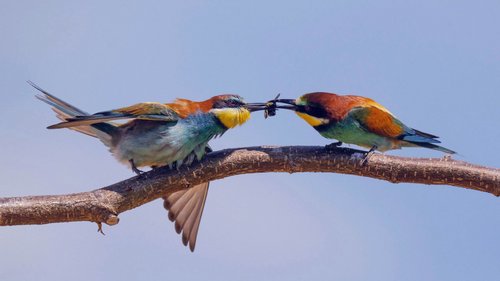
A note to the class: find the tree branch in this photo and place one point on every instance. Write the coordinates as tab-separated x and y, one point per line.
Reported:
103	205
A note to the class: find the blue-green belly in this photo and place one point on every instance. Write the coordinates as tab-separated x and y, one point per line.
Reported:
350	131
167	143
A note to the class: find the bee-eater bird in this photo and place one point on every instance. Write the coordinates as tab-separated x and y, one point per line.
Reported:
357	120
161	134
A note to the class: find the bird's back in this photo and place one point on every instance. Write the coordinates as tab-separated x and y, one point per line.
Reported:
338	106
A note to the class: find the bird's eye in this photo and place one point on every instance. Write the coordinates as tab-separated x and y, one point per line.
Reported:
316	111
233	103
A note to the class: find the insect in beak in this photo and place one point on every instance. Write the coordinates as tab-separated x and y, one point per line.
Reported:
272	105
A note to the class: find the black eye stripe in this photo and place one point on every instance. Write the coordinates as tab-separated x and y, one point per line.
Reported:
228	103
313	110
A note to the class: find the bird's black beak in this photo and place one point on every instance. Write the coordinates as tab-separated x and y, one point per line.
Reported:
256	106
291	102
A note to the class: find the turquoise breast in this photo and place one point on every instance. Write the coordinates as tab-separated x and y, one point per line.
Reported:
164	143
350	131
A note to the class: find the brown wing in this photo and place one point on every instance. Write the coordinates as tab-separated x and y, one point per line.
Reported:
185	208
146	108
145	111
378	120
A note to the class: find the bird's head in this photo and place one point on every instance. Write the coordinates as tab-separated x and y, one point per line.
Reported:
232	110
313	108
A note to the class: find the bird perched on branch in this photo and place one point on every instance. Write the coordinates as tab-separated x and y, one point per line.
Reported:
357	120
157	134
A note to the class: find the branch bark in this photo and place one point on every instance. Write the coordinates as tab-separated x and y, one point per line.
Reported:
103	205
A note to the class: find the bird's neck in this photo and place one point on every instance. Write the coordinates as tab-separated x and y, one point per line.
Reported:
231	117
228	117
185	107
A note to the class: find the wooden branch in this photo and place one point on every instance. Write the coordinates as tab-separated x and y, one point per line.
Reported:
103	205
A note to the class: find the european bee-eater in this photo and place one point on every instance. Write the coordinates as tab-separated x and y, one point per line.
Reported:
357	120
161	134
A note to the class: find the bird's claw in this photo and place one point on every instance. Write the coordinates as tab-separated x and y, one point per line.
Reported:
134	168
368	154
333	145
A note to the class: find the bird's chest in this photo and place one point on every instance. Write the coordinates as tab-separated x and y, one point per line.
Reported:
165	143
350	131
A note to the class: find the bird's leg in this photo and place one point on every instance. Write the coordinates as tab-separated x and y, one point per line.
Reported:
333	145
368	154
134	168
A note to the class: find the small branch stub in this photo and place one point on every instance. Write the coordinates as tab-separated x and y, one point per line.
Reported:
112	220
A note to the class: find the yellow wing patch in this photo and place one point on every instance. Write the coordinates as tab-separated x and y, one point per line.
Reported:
370	102
232	117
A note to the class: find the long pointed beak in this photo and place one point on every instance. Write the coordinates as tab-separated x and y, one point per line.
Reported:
287	101
291	102
256	106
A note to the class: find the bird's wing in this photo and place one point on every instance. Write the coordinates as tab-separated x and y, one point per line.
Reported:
185	208
376	119
152	111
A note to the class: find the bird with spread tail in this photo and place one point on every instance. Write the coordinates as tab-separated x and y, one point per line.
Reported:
159	134
356	120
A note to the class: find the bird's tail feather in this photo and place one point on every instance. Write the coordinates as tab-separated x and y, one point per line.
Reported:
433	146
424	134
65	111
418	138
185	208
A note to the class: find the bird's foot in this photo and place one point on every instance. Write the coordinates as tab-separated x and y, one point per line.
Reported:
368	154
333	145
134	168
137	171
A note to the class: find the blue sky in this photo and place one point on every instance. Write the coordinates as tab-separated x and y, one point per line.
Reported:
434	64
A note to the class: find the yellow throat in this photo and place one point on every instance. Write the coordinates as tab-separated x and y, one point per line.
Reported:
232	117
311	120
